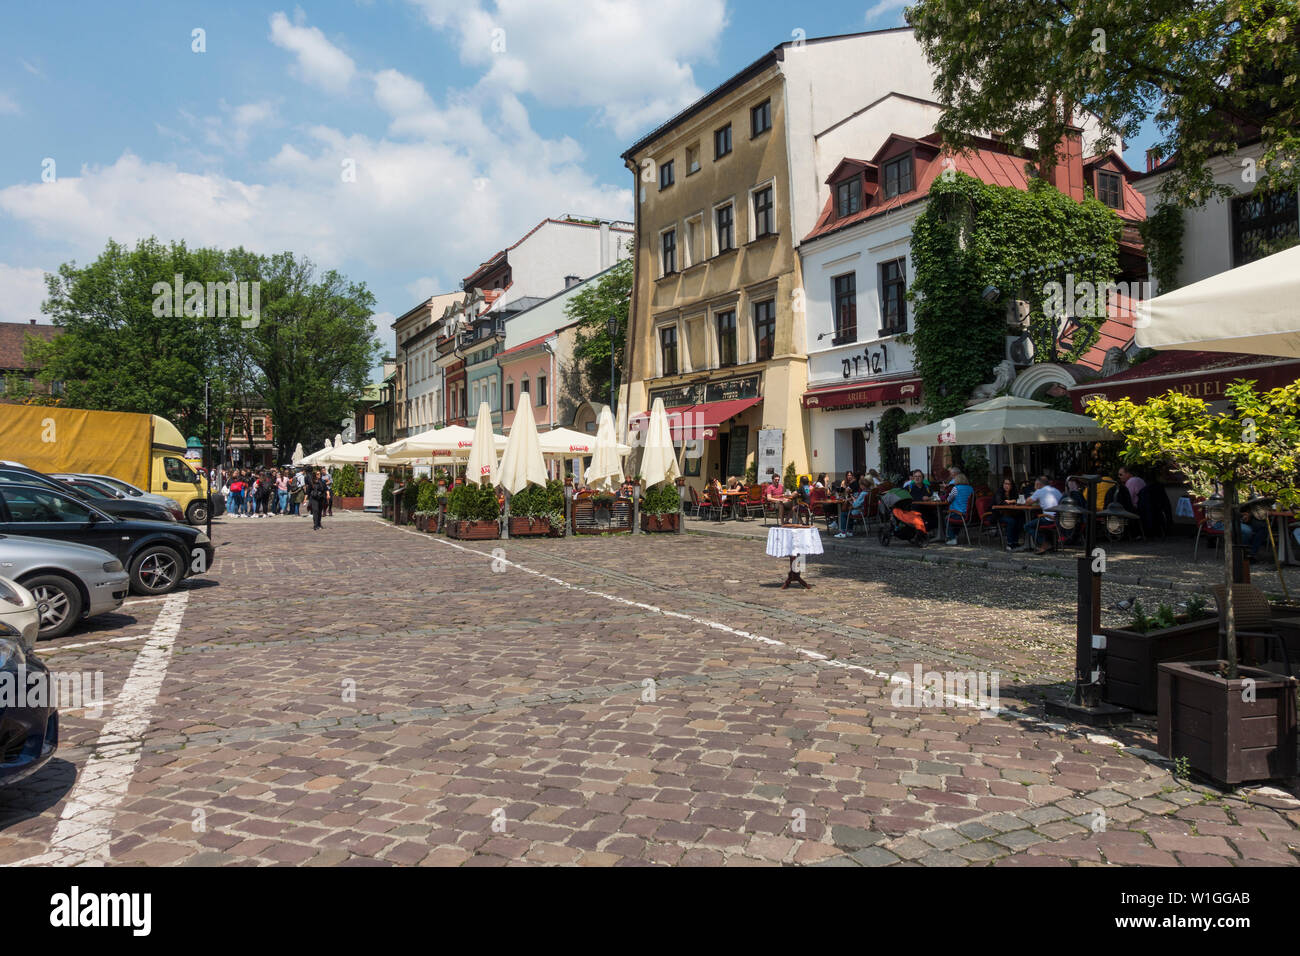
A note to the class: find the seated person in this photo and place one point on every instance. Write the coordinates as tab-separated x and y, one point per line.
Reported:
849	486
856	509
1130	485
775	495
804	489
1011	521
821	481
917	486
960	500
1047	498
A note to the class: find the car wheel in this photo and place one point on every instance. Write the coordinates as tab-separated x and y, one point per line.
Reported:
197	513
58	601
157	570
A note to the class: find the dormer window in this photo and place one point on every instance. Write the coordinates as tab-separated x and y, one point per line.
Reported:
897	176
848	197
1110	189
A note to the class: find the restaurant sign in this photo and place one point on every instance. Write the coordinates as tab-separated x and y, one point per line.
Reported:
702	393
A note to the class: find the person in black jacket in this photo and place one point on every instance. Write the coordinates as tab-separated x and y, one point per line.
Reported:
317	494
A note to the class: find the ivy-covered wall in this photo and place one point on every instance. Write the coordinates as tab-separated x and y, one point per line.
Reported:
973	236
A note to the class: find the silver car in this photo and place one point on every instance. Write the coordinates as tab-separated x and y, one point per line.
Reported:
69	581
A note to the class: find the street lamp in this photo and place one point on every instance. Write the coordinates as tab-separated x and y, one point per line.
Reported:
613	332
1085	705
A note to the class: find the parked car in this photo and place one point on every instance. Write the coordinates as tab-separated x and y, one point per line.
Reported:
28	735
157	554
20	618
118	507
96	487
218	501
70	582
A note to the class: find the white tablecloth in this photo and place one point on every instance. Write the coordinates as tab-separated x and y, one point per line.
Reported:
785	542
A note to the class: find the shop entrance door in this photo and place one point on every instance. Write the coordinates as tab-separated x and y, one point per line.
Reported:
859	452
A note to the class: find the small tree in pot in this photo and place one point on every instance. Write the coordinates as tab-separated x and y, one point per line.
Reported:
1255	445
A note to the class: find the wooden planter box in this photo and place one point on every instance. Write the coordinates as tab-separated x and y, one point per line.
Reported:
620	518
419	522
386	511
533	528
659	524
1202	717
351	504
1132	658
473	530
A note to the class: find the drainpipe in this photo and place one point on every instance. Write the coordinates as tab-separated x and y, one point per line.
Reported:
629	341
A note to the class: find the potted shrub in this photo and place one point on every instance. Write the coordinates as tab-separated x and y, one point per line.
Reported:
426	503
527	513
386	498
349	490
660	507
410	495
1134	652
473	513
1231	722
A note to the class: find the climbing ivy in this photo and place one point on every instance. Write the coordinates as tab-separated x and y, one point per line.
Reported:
972	236
1162	236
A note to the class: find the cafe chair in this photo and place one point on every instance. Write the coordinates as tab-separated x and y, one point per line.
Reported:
962	519
1254	625
1204	527
987	524
753	502
692	507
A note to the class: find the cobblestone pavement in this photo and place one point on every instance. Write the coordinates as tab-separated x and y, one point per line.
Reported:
369	695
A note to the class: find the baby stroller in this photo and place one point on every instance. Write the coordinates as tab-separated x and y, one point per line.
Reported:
898	520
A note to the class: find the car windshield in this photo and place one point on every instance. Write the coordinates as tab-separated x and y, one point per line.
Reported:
117	483
28	504
36	478
94	490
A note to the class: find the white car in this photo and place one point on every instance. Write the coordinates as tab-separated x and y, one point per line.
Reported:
20	618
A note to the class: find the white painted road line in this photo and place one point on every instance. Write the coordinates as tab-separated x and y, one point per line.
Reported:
47	651
84	831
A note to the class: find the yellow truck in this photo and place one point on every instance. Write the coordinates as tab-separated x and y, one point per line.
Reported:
144	450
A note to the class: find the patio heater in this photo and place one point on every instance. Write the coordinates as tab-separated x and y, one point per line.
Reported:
1085	705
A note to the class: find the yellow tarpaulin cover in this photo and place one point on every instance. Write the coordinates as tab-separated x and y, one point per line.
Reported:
56	440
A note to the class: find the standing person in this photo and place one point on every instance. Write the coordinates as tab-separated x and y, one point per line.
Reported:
316	496
282	490
328	479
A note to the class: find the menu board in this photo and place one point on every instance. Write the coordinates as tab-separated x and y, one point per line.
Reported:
769	453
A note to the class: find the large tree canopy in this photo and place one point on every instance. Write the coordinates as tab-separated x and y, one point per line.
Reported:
305	354
611	295
1211	72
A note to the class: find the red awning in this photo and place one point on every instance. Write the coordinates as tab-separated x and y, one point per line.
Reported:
859	396
1199	374
698	422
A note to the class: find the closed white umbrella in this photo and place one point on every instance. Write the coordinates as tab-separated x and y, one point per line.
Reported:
482	465
606	471
1252	309
659	459
297	454
1006	420
376	454
522	464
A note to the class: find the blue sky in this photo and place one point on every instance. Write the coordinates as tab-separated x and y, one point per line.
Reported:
466	122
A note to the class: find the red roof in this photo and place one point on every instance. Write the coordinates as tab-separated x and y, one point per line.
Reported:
534	343
1115	332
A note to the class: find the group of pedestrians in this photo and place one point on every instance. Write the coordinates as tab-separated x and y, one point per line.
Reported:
266	493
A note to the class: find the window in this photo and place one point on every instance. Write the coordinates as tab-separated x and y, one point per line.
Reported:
760	118
726	223
523	388
726	322
237	428
666	175
722	142
510	396
848	197
692	159
32	505
846	308
1261	220
898	176
765	330
893	297
764	213
669	250
259	427
177	470
1109	189
668	349
541	390
694	249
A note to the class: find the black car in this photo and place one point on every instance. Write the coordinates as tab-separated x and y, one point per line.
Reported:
117	507
28	735
158	554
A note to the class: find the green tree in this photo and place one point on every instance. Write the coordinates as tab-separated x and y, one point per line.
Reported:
1205	70
591	308
1255	445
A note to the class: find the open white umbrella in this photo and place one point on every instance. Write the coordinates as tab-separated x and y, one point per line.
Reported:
315	457
522	464
659	459
1006	420
606	471
482	465
566	443
454	441
1252	308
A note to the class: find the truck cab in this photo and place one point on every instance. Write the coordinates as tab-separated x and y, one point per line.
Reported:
171	475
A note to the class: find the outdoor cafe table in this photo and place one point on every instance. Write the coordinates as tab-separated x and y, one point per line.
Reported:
939	508
1026	511
733	499
793	542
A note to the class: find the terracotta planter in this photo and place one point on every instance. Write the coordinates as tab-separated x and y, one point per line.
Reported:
1132	659
473	530
1204	718
659	524
350	504
530	528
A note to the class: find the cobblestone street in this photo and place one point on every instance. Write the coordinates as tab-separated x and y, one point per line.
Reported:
371	695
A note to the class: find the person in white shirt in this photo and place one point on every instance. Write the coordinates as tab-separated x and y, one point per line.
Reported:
1047	498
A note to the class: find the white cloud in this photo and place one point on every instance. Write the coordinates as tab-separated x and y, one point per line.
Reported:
627	59
9	105
882	7
235	126
319	61
24	291
31	68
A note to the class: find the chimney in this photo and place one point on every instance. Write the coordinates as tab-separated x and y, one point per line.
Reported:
571	281
604	245
1067	175
1153	159
33	321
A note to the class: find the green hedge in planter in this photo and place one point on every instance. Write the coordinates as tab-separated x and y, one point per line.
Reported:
473	503
386	496
661	500
347	483
426	499
410	495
